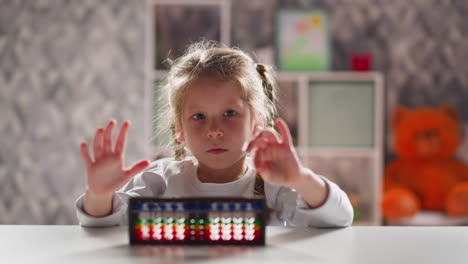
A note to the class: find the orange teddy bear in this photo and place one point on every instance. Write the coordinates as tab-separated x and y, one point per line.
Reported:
426	175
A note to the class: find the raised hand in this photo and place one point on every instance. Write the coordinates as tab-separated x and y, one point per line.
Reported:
275	157
277	163
106	172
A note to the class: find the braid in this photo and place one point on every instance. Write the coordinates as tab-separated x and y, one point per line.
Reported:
269	88
259	190
179	151
259	186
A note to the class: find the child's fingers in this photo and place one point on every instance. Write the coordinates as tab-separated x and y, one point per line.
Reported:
97	144
269	154
259	165
265	155
137	168
121	140
273	153
263	166
284	132
85	154
271	136
262	139
107	138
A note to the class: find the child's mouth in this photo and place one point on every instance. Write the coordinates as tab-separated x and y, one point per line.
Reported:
217	151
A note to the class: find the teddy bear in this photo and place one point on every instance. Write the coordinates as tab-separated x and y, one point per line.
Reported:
426	175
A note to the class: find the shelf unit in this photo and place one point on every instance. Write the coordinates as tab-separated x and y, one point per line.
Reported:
352	155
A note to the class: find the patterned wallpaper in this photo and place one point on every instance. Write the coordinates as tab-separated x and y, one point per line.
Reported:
66	67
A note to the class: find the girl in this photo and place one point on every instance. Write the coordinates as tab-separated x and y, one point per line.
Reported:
219	107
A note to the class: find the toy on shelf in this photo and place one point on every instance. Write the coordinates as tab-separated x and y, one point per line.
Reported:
426	174
361	62
214	221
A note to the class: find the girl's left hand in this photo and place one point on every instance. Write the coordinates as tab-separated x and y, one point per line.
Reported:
275	157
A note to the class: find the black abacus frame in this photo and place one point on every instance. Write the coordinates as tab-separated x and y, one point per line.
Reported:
132	217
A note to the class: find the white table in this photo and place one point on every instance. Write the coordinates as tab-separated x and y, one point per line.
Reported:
393	245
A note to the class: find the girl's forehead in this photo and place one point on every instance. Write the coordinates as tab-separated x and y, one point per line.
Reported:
208	88
205	93
208	81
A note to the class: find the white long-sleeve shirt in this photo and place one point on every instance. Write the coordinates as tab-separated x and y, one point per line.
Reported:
168	177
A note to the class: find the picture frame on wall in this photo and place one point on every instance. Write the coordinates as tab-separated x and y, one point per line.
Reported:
178	23
303	41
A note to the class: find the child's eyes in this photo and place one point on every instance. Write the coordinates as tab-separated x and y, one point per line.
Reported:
230	113
198	116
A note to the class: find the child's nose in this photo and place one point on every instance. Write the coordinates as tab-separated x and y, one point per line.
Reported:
215	131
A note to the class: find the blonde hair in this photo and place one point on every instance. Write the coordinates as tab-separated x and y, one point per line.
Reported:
258	88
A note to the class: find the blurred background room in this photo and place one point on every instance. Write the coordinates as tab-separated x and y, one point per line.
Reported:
67	67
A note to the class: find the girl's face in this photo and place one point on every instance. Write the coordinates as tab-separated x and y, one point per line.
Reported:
215	122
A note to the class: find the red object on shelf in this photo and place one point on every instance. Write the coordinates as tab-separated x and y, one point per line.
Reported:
361	62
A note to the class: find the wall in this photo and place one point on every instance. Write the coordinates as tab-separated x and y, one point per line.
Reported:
66	68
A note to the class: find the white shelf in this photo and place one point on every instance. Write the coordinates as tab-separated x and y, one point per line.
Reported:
373	151
336	152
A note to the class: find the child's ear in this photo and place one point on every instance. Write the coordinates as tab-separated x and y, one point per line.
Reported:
179	133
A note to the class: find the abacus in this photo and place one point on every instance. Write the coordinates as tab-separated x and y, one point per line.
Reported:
217	221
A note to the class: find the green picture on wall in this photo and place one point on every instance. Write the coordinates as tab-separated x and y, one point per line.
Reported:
303	41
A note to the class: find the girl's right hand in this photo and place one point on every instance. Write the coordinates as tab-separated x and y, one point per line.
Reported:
106	172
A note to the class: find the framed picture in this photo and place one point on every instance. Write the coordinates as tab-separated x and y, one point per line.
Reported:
178	23
303	40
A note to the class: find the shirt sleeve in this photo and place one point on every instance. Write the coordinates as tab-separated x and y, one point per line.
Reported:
148	183
292	210
117	217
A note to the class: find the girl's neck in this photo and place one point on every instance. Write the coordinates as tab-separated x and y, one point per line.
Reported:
209	175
